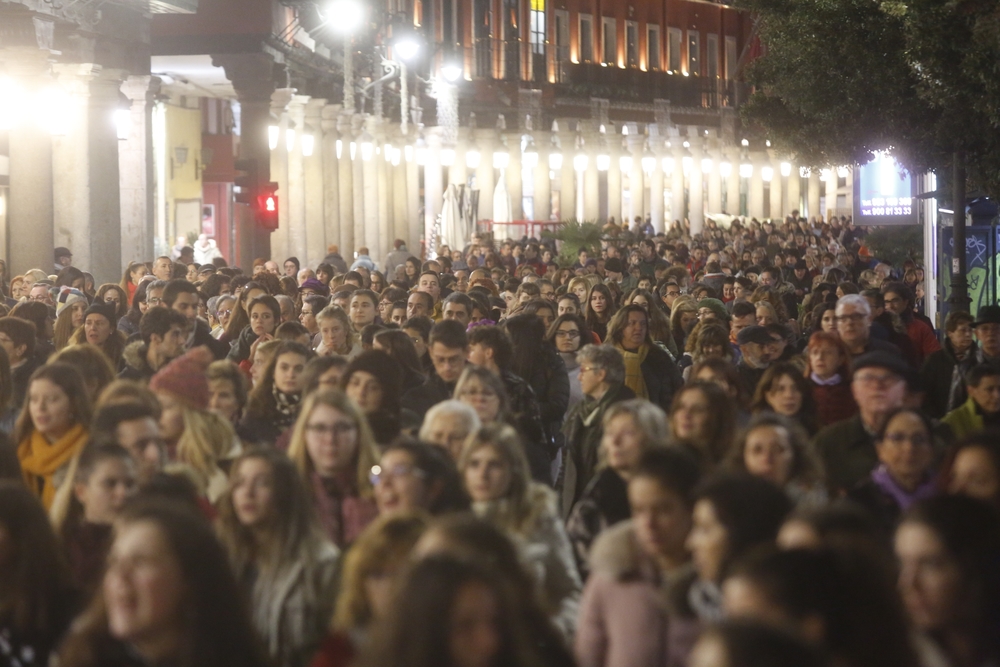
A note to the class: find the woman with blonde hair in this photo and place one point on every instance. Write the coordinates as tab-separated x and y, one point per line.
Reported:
52	429
285	564
683	317
337	335
334	450
498	480
194	436
100	330
70	307
369	571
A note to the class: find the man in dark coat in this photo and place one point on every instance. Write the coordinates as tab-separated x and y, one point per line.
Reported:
448	347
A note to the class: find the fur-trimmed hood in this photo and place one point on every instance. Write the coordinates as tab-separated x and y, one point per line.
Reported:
616	553
135	357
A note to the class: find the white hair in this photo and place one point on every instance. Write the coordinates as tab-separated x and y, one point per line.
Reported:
447	408
856	300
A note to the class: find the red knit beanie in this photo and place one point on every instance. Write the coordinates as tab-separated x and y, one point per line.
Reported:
185	378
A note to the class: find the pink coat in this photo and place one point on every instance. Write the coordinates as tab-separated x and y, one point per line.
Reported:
627	618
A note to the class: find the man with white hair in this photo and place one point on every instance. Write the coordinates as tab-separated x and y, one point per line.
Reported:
854	320
448	425
287	307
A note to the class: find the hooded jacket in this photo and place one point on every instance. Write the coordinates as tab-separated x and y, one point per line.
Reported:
631	615
136	366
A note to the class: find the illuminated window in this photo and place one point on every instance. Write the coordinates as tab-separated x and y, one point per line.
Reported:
694	53
561	35
586	38
631	44
538	26
609	42
674	49
653	47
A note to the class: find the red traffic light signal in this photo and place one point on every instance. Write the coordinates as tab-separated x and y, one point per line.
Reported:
267	206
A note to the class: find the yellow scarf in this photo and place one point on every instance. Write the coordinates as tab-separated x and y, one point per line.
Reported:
41	460
633	370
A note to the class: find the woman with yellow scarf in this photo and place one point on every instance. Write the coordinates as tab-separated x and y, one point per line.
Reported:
649	370
53	428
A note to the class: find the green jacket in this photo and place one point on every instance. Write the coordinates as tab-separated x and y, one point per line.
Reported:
965	419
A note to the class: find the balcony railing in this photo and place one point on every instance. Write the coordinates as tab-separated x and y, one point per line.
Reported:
635	85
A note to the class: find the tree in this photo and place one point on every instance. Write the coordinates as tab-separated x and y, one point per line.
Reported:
840	79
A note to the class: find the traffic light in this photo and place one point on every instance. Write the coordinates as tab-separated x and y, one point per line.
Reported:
247	180
267	206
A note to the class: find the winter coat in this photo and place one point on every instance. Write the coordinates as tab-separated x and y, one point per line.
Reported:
661	376
546	552
336	261
203	336
527	419
925	342
136	365
584	430
341	510
943	379
631	615
550	382
965	420
292	609
603	504
421	399
239	349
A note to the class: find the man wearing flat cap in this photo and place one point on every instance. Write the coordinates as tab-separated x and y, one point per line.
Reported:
879	384
63	258
754	342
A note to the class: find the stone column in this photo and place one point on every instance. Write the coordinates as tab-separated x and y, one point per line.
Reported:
315	183
696	197
591	192
831	194
281	158
327	145
678	210
360	232
252	76
714	184
813	194
616	184
372	219
86	202
385	228
777	198
136	175
755	198
433	188
514	185
792	191
345	186
296	192
733	183
415	225
656	179
636	178
486	179
567	178
543	185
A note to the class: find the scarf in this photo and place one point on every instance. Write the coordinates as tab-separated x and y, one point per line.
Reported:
287	406
903	498
343	512
41	460
633	370
705	598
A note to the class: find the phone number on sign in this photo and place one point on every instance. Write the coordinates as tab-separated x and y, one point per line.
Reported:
887	210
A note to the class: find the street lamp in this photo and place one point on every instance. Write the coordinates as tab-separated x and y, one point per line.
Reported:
668	165
273	136
501	158
725	169
451	72
603	162
290	139
580	162
406	47
746	170
625	164
767	174
447	157
308	145
786	169
472	158
345	16
706	165
529	155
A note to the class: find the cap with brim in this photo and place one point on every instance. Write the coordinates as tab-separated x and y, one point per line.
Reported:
889	362
62	252
754	334
614	265
988	315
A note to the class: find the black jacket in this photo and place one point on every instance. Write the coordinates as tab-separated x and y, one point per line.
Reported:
603	504
203	336
661	376
584	430
239	349
424	397
550	382
943	379
526	418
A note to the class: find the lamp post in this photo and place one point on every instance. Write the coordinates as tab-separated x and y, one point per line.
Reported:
345	17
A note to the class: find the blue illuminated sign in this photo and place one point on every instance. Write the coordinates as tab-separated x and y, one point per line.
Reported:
883	193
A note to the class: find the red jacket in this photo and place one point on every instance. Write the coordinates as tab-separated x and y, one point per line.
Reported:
924	341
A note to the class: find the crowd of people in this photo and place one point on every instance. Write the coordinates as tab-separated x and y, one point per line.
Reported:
743	448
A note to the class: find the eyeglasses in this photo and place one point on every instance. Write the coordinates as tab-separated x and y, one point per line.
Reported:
335	430
224	313
476	393
152	301
917	439
379	474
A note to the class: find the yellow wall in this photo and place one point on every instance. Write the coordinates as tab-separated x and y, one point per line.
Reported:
183	180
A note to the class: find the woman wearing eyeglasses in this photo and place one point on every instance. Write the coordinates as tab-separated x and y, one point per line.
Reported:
413	476
569	333
334	451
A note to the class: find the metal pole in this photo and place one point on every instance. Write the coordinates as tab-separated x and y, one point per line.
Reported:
959	280
404	99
